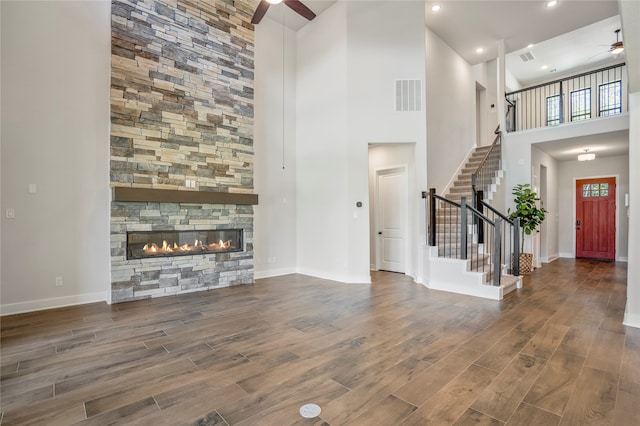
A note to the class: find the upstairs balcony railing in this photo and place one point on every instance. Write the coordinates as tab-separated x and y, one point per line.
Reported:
585	96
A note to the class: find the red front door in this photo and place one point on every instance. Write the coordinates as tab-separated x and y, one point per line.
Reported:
596	218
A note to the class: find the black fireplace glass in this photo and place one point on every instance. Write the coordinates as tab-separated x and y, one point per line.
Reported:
154	244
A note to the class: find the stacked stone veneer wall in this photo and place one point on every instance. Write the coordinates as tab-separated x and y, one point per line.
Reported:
181	118
141	278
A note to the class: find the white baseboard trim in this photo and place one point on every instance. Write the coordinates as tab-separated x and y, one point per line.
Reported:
631	320
269	273
573	256
549	259
56	302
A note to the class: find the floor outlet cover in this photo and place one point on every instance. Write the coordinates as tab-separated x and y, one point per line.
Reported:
309	411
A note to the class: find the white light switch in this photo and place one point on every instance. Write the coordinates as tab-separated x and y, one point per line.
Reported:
32	188
11	214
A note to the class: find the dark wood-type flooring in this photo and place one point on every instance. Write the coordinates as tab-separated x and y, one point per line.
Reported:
391	353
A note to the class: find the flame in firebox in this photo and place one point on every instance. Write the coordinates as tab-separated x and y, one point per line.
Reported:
197	247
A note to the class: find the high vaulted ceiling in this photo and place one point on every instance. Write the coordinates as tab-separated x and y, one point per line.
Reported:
572	35
468	24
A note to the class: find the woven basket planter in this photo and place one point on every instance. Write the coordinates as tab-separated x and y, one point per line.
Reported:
526	263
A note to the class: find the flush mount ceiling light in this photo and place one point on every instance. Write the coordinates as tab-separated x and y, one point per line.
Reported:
274	1
544	67
435	7
587	156
551	3
480	50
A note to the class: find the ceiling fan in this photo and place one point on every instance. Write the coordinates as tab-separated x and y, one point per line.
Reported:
617	47
295	5
614	50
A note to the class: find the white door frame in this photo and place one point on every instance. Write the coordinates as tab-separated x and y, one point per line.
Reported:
403	170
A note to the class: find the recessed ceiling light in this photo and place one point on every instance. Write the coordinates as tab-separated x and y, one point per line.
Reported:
480	49
544	67
551	3
530	45
435	7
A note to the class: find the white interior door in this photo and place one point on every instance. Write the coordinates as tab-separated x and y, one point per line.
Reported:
391	219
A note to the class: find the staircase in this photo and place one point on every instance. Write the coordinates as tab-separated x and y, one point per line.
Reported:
453	269
462	185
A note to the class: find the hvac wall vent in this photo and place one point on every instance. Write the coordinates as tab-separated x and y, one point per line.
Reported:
408	95
527	56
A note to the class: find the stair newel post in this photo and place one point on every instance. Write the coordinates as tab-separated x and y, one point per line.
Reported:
479	223
497	249
463	228
516	247
432	217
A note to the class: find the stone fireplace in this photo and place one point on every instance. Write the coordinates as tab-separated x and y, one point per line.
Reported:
153	276
181	146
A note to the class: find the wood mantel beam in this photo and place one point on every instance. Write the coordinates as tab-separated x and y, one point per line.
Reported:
175	196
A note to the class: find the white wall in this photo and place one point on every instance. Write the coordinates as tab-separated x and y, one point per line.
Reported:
348	59
487	75
322	168
55	134
450	111
549	248
632	310
569	171
516	148
630	16
275	243
385	43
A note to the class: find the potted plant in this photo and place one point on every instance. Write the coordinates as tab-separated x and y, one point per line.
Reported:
530	217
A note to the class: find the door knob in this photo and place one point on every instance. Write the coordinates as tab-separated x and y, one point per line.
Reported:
379	232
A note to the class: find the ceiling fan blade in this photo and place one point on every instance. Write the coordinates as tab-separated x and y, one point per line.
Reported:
261	10
597	55
300	9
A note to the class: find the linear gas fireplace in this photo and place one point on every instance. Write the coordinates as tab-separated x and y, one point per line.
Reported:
154	244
